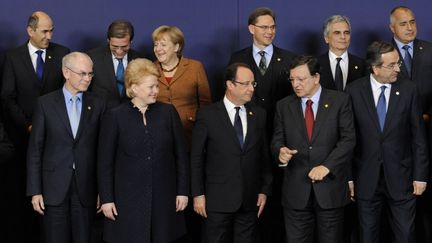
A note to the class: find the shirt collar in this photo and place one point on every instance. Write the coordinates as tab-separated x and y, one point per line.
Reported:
315	98
377	85
333	56
268	50
400	44
33	49
229	105
68	95
124	58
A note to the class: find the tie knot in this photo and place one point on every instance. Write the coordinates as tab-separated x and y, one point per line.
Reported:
383	88
39	52
262	53
309	102
120	60
406	47
237	108
74	99
338	59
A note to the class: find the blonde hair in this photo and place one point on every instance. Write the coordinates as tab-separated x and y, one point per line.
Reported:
174	33
135	70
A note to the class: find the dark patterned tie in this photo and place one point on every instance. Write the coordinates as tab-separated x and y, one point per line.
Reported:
407	59
381	108
262	63
338	75
120	76
238	126
309	119
39	65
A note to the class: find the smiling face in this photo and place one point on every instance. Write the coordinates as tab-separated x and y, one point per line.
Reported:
119	46
164	49
338	38
146	89
263	31
403	25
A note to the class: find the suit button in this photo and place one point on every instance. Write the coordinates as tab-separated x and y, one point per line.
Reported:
310	147
149	158
263	99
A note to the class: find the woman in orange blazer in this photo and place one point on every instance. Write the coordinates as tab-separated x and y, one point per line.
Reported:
183	82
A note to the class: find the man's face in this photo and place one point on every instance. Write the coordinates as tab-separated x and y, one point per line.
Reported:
78	75
303	83
119	46
40	37
403	25
389	70
263	31
240	91
338	38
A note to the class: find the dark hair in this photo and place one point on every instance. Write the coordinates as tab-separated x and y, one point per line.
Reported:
33	21
260	12
310	61
231	70
120	28
375	51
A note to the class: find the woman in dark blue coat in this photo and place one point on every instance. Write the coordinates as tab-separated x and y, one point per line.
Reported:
143	167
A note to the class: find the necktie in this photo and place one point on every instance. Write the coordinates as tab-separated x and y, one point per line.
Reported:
74	115
407	59
39	65
381	108
238	127
120	76
309	119
263	63
338	75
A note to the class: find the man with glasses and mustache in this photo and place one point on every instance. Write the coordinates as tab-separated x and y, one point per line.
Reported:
390	164
110	62
61	159
269	65
230	165
313	141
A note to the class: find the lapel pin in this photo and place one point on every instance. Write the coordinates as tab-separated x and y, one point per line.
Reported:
326	105
88	107
250	113
49	57
355	67
278	59
397	92
421	47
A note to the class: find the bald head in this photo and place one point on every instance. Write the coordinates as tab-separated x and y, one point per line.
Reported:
78	72
40	29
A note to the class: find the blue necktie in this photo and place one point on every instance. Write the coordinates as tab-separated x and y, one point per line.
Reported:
39	65
381	108
120	76
407	59
238	126
74	115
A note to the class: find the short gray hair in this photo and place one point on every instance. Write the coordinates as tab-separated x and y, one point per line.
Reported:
335	19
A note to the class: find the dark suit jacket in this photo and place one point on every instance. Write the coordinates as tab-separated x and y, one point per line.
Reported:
421	71
401	149
6	146
104	82
21	88
356	70
333	141
226	174
275	83
52	149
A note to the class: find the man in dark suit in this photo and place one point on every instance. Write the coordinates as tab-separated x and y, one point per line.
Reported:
61	158
417	64
110	62
338	66
314	138
230	165
390	165
269	65
29	71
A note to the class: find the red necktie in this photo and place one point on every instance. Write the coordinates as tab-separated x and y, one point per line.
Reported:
309	119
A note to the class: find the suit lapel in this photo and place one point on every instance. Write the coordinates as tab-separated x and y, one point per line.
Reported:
28	65
393	104
367	95
403	70
86	110
353	67
296	110
324	106
251	124
417	54
226	122
60	109
181	69
109	67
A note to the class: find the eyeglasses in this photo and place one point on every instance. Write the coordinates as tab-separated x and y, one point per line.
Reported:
266	27
300	80
82	74
393	65
246	83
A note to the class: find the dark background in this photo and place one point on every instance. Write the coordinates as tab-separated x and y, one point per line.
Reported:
213	28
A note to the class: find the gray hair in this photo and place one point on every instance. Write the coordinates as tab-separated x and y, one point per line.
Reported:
335	19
